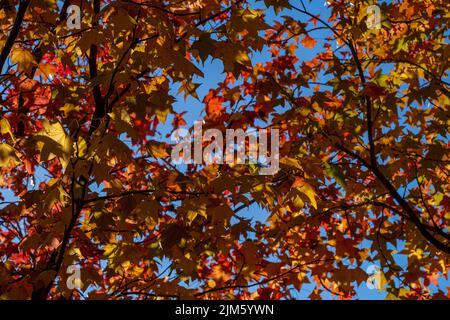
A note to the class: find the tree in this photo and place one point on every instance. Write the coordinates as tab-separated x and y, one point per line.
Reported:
364	149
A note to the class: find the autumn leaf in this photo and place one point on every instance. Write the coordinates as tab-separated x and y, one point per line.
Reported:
157	149
7	155
53	142
309	42
213	105
22	57
356	128
5	128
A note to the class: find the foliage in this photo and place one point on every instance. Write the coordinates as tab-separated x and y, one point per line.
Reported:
365	157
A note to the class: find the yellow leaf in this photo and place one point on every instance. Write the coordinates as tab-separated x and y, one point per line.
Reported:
5	128
290	162
311	194
7	154
297	201
157	149
22	57
306	189
45	70
109	250
54	142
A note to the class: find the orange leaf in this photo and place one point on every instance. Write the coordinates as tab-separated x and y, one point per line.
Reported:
309	42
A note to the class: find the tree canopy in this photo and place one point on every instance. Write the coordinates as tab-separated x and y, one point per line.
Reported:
87	178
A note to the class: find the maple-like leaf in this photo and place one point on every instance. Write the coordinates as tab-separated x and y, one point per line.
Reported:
87	178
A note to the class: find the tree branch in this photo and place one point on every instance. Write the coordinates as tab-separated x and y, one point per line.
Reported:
14	32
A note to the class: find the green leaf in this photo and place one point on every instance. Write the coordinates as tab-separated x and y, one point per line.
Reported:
334	171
